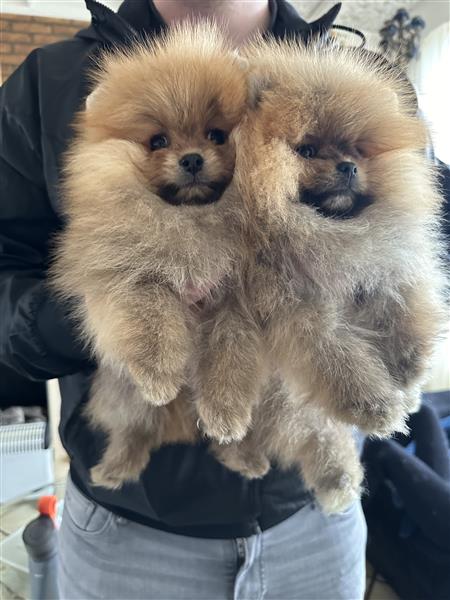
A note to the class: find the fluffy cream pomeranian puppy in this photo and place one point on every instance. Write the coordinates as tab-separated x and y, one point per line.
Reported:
345	281
151	227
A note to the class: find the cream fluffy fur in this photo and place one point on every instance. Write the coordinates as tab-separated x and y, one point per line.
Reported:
350	308
316	323
128	259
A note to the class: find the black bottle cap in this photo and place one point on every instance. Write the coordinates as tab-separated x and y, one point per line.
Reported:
39	538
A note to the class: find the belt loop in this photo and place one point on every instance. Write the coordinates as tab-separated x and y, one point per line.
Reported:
241	548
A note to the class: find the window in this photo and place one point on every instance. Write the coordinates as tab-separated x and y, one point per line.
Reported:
430	74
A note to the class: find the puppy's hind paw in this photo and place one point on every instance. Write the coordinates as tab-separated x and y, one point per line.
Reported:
340	487
254	467
223	424
101	477
236	458
337	498
112	477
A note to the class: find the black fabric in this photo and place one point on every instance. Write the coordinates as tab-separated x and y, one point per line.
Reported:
440	401
183	489
430	441
444	181
16	390
408	509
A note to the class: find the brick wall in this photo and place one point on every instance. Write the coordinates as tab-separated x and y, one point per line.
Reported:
20	34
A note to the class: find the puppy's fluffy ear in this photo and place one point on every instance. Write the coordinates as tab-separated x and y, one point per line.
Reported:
392	100
91	99
400	101
258	83
241	62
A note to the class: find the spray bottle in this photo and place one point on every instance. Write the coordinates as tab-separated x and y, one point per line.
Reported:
40	539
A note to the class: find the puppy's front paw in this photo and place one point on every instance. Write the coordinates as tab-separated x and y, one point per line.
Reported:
413	398
161	391
410	363
224	424
383	415
158	388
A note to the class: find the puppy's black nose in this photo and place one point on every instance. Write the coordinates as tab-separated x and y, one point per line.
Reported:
192	163
347	168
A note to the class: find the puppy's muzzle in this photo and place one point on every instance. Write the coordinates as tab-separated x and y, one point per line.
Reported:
338	203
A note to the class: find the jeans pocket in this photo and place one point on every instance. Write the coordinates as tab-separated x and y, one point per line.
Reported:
84	514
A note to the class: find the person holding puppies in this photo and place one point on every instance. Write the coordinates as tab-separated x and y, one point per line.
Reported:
189	527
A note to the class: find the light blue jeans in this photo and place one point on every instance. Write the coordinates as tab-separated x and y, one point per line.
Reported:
307	557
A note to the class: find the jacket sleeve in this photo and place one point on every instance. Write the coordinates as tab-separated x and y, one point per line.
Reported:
36	338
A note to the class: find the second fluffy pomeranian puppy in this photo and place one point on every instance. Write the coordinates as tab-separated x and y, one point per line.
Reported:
344	210
346	280
150	226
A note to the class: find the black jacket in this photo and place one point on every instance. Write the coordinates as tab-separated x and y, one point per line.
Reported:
184	489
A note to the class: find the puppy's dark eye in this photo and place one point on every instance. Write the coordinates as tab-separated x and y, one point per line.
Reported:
307	150
158	141
217	136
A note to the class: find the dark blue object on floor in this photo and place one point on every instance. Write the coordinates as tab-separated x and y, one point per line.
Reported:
408	507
